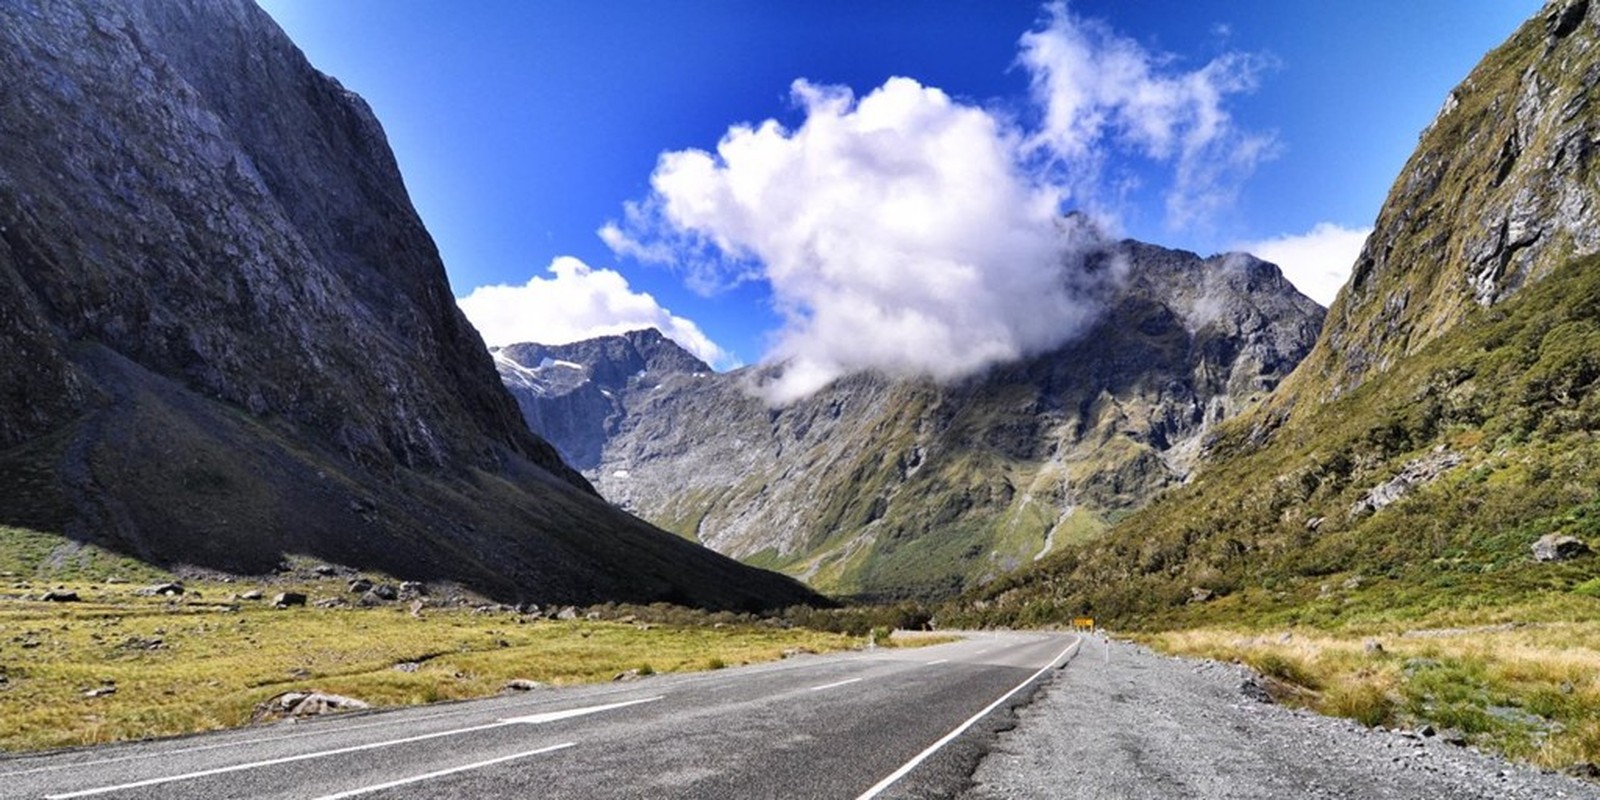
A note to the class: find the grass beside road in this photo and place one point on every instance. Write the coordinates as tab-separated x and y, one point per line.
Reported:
201	663
1524	682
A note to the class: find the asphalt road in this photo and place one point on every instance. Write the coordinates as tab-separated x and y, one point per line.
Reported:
883	723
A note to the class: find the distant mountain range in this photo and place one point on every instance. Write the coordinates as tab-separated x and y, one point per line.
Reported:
887	487
227	338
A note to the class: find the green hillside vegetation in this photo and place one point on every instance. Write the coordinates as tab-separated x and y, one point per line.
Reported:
1268	530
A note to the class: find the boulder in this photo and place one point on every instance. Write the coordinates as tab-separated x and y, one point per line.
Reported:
1559	547
287	599
384	591
305	704
60	596
521	685
253	594
360	586
173	589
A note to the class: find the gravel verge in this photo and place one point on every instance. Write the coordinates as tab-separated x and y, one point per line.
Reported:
1122	721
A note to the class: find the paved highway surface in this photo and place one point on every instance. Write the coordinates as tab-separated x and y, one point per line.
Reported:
883	723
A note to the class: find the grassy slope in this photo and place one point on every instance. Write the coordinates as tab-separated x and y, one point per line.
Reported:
218	658
1512	392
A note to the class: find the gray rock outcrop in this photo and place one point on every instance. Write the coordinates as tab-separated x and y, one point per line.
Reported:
1559	547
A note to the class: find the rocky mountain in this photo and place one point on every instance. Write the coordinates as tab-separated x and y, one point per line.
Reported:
572	394
227	338
1444	424
894	487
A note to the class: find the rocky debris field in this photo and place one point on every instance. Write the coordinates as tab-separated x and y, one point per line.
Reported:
1122	721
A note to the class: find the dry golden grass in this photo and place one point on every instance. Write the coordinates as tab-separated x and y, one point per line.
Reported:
1531	691
191	664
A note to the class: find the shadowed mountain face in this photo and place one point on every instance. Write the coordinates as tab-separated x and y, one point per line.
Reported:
896	487
227	337
1446	421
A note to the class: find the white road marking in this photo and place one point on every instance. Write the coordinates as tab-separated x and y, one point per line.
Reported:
906	768
552	716
443	772
270	762
529	720
834	684
404	719
940	661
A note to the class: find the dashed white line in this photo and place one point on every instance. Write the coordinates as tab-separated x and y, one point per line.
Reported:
880	786
940	661
552	716
443	772
835	684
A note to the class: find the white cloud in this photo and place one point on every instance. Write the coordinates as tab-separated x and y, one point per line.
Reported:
1104	95
1317	262
898	233
911	233
579	302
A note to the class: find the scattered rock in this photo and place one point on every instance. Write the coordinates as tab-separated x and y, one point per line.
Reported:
407	666
1559	547
140	643
523	685
1584	769
1373	647
332	602
287	599
1200	594
360	586
629	675
253	594
1254	689
326	570
1315	523
60	596
100	691
791	652
163	590
1413	475
413	588
1427	731
567	613
384	591
305	704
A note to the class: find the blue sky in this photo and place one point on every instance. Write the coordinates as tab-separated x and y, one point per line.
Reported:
522	128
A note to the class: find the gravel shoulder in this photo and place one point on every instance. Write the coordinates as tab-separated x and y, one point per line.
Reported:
1122	721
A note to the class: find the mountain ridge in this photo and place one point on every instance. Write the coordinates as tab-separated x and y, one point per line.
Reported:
233	340
891	487
1444	422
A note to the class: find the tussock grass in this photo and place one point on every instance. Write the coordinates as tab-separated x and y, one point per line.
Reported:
197	663
1529	690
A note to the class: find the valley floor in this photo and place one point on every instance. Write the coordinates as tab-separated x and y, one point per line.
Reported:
1122	721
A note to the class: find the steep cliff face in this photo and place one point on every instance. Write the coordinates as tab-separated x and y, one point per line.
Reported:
901	487
1499	192
228	336
1446	420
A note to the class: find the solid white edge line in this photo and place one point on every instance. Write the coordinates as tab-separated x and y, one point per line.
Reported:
443	772
835	684
906	768
528	720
